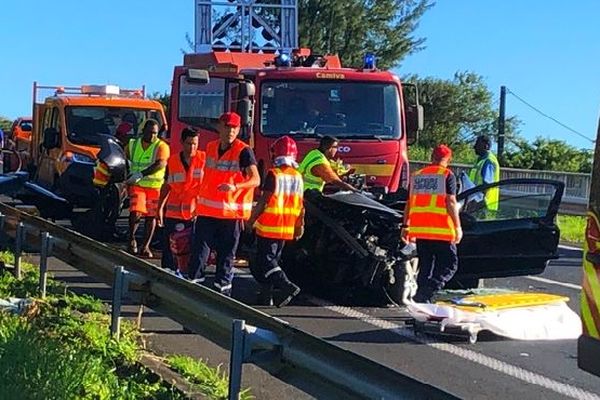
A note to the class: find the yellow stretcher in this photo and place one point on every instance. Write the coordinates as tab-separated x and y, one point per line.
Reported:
502	301
491	301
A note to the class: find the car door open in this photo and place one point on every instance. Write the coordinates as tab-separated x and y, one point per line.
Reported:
514	235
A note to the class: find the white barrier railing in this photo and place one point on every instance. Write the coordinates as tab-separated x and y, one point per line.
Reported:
577	185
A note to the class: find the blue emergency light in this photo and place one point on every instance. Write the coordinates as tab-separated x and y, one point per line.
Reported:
283	60
369	61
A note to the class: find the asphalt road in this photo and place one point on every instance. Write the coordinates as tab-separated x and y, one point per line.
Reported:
492	368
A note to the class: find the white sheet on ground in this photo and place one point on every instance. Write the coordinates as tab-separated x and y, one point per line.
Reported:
547	322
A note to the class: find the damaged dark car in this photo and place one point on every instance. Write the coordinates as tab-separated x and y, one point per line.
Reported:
351	251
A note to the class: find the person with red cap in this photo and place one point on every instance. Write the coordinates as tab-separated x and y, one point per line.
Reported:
431	219
224	202
277	217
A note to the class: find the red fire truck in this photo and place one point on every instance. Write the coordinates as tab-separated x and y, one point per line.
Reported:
279	89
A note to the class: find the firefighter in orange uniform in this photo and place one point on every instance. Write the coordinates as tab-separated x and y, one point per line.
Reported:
177	203
224	202
432	220
278	216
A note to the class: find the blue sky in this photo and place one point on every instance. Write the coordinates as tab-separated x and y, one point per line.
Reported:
546	51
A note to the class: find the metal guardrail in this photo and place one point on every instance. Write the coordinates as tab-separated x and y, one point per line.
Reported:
303	360
577	185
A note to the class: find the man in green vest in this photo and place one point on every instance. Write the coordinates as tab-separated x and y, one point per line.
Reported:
486	170
148	157
316	168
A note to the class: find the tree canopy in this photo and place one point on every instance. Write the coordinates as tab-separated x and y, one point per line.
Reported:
5	124
351	28
548	154
457	110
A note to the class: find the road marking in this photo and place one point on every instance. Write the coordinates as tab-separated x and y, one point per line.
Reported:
470	355
561	246
550	281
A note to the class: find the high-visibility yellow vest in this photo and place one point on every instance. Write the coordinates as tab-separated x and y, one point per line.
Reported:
278	219
428	216
142	159
312	159
590	296
492	195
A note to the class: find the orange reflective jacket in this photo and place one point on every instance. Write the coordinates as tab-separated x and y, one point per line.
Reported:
224	169
184	186
428	216
278	219
101	174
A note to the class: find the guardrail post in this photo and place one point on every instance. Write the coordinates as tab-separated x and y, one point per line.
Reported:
45	250
237	358
19	237
119	286
248	343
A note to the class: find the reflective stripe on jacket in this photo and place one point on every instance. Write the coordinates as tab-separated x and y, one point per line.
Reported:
142	159
428	216
278	219
312	159
219	170
101	174
492	195
184	186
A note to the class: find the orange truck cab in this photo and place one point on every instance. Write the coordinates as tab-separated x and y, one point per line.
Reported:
74	127
21	133
279	89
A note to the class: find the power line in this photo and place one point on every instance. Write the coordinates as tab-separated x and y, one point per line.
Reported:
548	116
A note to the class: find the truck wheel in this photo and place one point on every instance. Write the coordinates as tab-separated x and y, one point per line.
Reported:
100	222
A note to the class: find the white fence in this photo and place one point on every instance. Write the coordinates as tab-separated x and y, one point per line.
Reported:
577	185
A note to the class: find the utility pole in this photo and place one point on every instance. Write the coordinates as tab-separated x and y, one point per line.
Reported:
501	120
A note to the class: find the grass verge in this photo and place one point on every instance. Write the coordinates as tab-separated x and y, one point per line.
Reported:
60	348
208	380
572	228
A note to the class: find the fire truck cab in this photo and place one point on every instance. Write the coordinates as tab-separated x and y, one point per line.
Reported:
282	90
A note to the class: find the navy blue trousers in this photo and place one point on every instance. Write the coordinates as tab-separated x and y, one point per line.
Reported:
265	267
438	262
221	235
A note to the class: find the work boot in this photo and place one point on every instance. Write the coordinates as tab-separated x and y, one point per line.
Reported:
265	296
132	247
288	292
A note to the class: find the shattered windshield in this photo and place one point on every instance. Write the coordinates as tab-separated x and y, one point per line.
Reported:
84	124
343	109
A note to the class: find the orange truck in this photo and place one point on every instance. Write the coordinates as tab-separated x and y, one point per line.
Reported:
280	89
74	130
21	133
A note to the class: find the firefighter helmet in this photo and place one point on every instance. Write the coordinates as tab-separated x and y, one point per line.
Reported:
285	146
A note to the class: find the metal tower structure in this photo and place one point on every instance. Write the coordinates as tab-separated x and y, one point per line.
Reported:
246	25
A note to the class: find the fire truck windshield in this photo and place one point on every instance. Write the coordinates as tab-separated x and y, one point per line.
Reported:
86	123
348	109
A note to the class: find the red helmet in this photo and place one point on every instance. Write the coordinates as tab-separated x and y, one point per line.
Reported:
285	146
